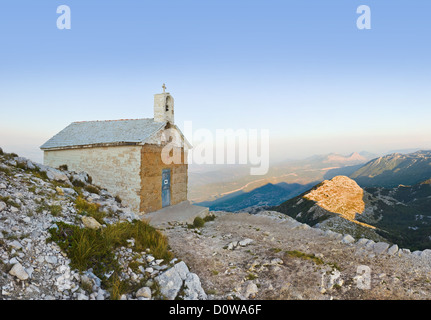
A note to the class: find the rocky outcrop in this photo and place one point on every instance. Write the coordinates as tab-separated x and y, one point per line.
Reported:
339	195
177	279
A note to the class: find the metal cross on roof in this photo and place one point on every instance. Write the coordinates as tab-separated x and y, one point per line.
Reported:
164	88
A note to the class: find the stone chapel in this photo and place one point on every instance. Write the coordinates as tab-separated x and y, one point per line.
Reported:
125	156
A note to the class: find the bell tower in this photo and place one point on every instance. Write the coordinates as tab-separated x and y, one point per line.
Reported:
163	107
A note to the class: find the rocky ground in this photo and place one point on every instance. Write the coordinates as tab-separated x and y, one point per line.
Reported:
272	256
33	198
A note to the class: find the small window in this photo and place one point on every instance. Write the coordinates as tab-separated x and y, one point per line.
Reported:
168	101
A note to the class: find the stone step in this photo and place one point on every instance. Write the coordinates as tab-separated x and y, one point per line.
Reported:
183	212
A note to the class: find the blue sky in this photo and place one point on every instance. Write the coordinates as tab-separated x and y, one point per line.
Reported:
301	69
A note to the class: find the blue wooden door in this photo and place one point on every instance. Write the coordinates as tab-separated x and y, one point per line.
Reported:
166	188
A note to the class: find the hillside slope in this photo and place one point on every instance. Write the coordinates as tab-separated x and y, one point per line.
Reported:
401	214
395	169
63	238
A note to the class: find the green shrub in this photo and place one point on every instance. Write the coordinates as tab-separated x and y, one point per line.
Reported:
92	189
21	165
55	210
87	248
10	202
63	167
5	170
209	217
305	256
78	183
198	222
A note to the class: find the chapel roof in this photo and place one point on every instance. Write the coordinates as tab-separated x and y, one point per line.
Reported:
110	132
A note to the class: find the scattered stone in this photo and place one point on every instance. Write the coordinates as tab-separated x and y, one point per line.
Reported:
170	283
245	242
51	259
19	272
348	239
426	254
60	191
393	249
144	292
90	223
251	290
15	244
172	280
14	210
362	242
380	247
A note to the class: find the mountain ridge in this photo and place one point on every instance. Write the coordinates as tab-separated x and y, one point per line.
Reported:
395	169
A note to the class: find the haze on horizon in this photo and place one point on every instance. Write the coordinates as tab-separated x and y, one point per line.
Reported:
298	68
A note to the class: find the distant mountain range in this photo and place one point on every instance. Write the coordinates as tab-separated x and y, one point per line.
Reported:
289	179
395	169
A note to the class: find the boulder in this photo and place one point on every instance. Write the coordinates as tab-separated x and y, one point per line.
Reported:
193	289
53	174
362	242
179	277
19	272
144	292
81	177
245	242
251	290
170	283
426	254
393	250
380	247
90	223
348	239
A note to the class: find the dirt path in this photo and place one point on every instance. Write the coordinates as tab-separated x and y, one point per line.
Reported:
289	260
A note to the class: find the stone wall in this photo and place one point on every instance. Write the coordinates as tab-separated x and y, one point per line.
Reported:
115	168
151	179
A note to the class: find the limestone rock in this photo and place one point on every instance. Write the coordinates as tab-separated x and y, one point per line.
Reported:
393	249
426	254
144	292
245	242
19	272
172	280
182	270
380	247
170	283
53	174
193	289
348	239
251	290
91	223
